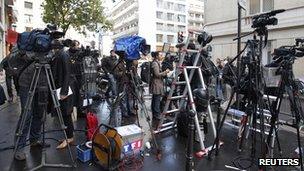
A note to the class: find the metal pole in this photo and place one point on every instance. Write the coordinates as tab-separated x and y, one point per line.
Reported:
191	129
239	27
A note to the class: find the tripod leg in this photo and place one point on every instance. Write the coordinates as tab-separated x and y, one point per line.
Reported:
27	108
52	88
216	140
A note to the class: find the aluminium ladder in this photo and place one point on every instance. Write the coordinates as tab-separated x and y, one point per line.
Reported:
186	95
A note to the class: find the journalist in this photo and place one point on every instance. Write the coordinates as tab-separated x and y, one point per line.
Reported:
76	75
61	69
156	85
108	64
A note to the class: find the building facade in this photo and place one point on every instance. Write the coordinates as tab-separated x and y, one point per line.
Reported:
221	22
29	15
158	21
196	15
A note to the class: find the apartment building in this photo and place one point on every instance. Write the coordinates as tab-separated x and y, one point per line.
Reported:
157	20
221	22
196	15
29	15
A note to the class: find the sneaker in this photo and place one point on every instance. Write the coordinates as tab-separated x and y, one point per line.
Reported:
20	156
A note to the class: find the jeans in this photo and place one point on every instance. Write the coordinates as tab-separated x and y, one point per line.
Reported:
155	105
33	121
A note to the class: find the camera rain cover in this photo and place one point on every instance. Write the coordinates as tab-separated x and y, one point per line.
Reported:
132	46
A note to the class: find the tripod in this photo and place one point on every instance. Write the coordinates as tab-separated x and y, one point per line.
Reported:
137	93
253	83
289	86
43	66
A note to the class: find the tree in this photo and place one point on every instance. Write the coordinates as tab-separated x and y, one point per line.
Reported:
80	14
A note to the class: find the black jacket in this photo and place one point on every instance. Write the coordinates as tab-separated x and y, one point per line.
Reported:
108	64
61	69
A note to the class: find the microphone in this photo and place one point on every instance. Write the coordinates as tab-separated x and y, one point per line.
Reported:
275	12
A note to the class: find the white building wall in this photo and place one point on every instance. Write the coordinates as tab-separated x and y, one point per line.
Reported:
221	22
36	12
147	21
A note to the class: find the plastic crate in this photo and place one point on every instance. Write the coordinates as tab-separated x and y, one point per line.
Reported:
84	153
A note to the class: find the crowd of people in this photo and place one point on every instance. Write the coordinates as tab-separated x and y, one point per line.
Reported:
66	66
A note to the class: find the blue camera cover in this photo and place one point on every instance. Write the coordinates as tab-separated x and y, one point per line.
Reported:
131	45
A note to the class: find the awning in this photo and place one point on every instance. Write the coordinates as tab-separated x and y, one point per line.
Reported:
11	36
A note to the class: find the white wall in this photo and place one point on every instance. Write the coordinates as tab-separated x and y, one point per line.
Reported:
147	21
37	12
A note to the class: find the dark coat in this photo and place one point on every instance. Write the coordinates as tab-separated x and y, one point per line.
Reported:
108	64
61	69
157	82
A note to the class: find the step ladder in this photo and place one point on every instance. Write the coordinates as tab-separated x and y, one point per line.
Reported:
186	96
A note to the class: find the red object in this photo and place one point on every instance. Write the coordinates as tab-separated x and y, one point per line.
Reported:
92	124
11	36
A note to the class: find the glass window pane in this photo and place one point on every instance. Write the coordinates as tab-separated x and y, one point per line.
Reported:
267	5
254	6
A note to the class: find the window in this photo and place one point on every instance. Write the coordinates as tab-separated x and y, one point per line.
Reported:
28	18
181	18
181	8
28	29
170	38
170	27
181	28
28	5
159	15
170	5
257	6
159	26
267	5
191	15
170	16
159	3
159	38
197	15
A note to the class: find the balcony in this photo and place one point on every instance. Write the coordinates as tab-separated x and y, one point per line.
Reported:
126	21
125	10
131	31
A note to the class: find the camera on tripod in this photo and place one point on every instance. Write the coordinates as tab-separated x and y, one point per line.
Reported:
265	19
42	41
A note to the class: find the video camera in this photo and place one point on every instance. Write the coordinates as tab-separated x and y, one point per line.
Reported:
265	19
42	41
131	46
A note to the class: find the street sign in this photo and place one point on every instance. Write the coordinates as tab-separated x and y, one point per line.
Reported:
242	3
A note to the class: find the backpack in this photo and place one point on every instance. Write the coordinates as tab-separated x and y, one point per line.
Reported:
145	73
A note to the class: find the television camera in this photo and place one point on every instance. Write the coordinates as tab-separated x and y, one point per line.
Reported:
265	19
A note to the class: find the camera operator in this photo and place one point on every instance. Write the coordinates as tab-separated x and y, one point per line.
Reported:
156	85
61	69
33	121
108	64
